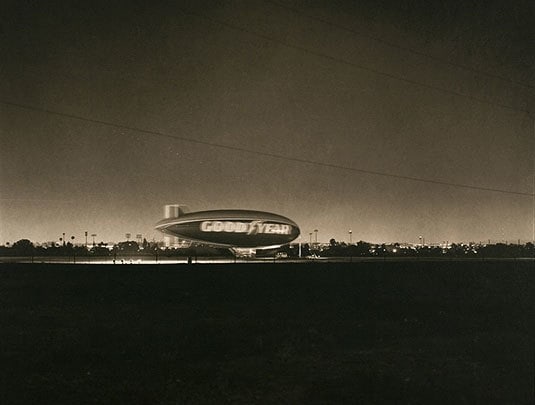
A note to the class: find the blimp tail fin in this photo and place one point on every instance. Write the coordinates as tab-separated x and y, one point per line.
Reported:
174	210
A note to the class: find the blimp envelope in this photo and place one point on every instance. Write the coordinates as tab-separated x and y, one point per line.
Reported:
232	228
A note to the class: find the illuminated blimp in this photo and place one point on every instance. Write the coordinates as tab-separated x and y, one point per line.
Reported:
229	228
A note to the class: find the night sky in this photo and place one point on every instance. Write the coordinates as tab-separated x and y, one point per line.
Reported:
406	88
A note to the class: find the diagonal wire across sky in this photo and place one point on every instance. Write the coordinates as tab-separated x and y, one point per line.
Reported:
259	152
333	60
336	60
302	13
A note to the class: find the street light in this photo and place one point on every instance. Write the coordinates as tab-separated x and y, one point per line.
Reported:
350	236
310	234
73	251
316	235
85	239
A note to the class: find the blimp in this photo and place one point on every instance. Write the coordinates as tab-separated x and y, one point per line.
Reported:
230	228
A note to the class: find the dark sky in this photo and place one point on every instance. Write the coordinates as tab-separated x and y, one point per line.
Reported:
433	91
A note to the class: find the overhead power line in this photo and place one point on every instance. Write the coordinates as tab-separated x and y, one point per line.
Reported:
398	46
54	200
262	153
352	64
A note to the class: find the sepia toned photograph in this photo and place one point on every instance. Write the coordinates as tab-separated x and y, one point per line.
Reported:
267	202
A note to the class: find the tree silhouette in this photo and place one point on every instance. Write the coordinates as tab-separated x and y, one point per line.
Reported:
23	247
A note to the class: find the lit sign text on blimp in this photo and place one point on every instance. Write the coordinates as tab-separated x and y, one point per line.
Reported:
231	228
249	228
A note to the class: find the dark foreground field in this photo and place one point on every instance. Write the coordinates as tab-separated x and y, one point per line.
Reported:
400	333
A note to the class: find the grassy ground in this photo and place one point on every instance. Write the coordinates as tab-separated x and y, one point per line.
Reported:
317	333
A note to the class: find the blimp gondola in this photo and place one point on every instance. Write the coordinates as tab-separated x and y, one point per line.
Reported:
229	228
